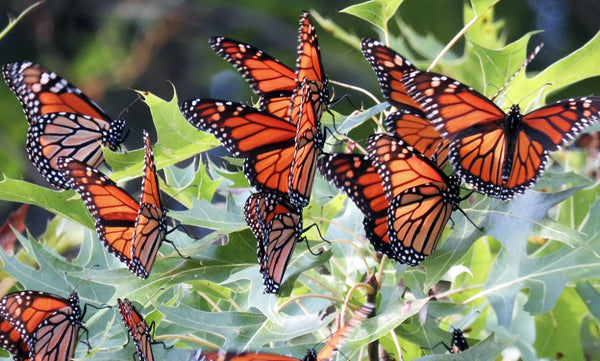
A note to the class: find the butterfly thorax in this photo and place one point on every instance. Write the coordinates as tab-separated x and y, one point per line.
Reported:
453	191
459	343
512	126
311	355
113	137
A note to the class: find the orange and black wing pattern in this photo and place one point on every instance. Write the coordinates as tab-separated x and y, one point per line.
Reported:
42	92
113	209
499	154
335	342
277	227
11	341
308	145
421	197
390	69
267	76
355	175
63	122
309	66
150	227
137	328
47	323
414	128
266	142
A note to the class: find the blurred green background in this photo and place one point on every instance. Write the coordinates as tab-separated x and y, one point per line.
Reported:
109	47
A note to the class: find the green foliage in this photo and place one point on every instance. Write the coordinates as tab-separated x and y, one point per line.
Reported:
515	289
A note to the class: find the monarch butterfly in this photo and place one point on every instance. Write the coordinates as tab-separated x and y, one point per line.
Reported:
409	122
405	197
326	354
11	341
273	81
63	122
356	176
132	231
276	154
499	154
421	197
47	323
309	67
277	227
267	76
137	328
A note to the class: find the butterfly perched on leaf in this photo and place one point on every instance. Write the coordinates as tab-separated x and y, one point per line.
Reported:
277	227
500	154
63	122
47	324
405	197
131	230
138	329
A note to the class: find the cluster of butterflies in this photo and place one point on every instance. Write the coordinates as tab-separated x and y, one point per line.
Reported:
40	326
400	185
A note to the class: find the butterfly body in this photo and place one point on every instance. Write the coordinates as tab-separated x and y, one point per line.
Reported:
459	342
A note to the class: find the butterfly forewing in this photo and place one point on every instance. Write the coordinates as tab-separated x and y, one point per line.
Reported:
309	67
389	68
413	127
137	328
355	175
150	227
268	77
41	92
113	209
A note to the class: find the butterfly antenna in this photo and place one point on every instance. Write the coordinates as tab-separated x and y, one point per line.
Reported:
525	63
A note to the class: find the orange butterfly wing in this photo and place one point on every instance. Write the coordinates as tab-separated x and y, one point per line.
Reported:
150	227
309	67
409	122
268	77
390	69
11	341
415	129
43	92
62	120
137	328
421	197
266	142
309	142
48	323
277	227
114	211
356	176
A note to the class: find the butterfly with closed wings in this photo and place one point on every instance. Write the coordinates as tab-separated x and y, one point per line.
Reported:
63	122
131	230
